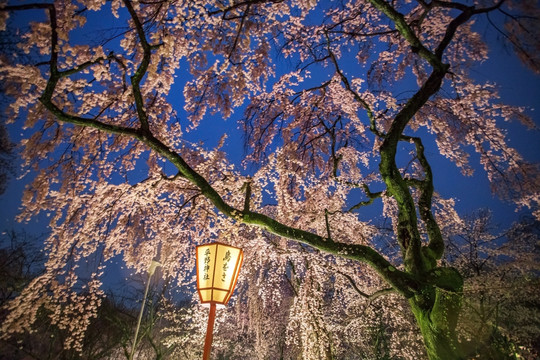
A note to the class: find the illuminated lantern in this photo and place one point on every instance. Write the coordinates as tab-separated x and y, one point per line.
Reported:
218	266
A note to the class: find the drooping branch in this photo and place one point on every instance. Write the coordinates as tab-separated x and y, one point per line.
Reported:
401	281
519	47
356	96
239	32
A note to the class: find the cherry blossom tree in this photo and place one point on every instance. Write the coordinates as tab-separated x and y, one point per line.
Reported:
338	102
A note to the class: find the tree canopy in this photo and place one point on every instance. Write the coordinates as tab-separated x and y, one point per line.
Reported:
337	101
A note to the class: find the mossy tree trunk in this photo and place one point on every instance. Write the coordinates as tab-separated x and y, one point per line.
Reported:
436	313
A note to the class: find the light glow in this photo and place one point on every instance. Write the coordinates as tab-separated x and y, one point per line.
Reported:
218	266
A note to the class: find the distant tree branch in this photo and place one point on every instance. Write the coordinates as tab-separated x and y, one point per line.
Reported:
519	48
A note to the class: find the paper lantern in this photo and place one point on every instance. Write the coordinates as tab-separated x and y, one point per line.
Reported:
218	266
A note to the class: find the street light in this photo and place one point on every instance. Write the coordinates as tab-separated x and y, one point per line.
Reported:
151	271
218	266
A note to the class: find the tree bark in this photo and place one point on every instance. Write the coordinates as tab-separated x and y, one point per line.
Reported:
438	323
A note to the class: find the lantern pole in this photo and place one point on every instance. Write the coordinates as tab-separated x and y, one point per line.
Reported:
209	332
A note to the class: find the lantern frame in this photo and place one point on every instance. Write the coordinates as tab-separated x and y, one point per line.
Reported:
209	289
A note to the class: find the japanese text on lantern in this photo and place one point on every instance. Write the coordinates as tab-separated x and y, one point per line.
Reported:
226	260
206	264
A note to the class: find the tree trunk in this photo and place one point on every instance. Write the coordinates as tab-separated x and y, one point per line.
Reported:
437	312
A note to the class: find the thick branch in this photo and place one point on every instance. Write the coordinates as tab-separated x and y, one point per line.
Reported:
45	99
408	234
436	242
401	281
466	13
143	67
247	199
451	30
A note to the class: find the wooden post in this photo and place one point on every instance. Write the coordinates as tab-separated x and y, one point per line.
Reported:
209	332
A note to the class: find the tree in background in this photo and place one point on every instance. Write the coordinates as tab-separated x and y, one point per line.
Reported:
500	311
122	166
108	336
